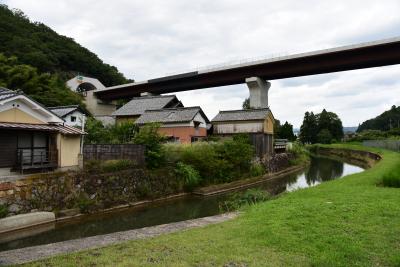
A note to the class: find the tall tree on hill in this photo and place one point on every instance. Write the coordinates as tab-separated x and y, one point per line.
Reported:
45	88
384	122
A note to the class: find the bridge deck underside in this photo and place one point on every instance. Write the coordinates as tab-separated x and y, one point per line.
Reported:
343	60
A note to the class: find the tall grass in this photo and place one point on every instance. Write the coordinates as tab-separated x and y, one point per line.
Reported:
392	178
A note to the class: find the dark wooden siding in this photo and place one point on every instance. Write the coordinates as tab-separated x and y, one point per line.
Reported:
263	144
8	148
114	151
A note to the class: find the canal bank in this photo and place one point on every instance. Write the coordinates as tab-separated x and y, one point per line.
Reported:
343	222
176	209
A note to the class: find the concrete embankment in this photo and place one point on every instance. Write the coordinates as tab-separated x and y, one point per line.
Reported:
17	222
365	159
28	254
246	183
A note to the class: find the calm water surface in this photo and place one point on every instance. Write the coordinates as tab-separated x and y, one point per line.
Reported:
320	170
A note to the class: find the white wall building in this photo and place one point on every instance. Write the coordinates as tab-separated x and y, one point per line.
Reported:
72	115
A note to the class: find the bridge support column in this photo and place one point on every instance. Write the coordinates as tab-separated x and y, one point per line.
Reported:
258	92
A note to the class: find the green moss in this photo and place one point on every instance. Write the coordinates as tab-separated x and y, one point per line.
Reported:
3	211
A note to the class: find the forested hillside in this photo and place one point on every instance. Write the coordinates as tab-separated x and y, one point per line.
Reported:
387	120
45	88
37	45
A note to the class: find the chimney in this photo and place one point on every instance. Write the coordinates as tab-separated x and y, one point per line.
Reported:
258	92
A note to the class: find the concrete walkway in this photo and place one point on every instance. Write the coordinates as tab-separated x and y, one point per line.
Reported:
28	254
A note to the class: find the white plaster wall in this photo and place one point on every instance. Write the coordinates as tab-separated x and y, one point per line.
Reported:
199	118
30	108
233	128
80	117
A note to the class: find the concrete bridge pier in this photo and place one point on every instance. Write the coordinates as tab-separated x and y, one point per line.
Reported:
258	92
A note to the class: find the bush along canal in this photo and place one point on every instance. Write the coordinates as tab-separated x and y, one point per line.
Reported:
321	169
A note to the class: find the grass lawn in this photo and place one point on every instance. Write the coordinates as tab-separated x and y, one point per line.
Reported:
346	222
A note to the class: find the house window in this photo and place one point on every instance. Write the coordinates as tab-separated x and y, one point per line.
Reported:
73	119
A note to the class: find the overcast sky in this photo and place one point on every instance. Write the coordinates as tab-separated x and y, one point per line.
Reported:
149	39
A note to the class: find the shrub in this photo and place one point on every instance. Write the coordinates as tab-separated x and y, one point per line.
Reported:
149	136
392	178
98	166
299	154
85	204
216	162
119	133
3	211
202	157
188	174
238	152
246	198
118	165
257	169
173	152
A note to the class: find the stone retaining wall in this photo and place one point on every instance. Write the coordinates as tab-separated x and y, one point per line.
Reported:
86	191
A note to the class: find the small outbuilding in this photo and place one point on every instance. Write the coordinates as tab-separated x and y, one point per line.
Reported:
184	125
257	122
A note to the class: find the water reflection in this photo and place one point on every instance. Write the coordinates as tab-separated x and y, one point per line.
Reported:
320	170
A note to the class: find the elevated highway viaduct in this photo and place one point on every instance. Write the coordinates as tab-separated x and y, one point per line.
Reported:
365	55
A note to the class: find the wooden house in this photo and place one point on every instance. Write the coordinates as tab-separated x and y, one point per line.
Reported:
132	110
33	137
258	123
184	125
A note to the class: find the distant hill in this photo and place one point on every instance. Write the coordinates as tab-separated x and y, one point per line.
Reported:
384	122
350	129
37	45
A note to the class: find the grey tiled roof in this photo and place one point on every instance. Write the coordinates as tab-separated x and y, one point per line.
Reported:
106	120
6	93
138	105
241	115
62	111
170	115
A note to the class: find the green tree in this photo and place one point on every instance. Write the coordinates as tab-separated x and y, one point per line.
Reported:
45	88
246	103
149	136
286	132
121	133
96	132
324	136
384	122
39	46
309	129
331	122
314	127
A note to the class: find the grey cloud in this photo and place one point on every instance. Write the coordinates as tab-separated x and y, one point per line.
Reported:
147	39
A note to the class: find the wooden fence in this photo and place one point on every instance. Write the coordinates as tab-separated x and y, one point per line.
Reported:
115	151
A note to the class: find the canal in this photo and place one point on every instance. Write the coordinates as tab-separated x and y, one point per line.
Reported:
320	170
